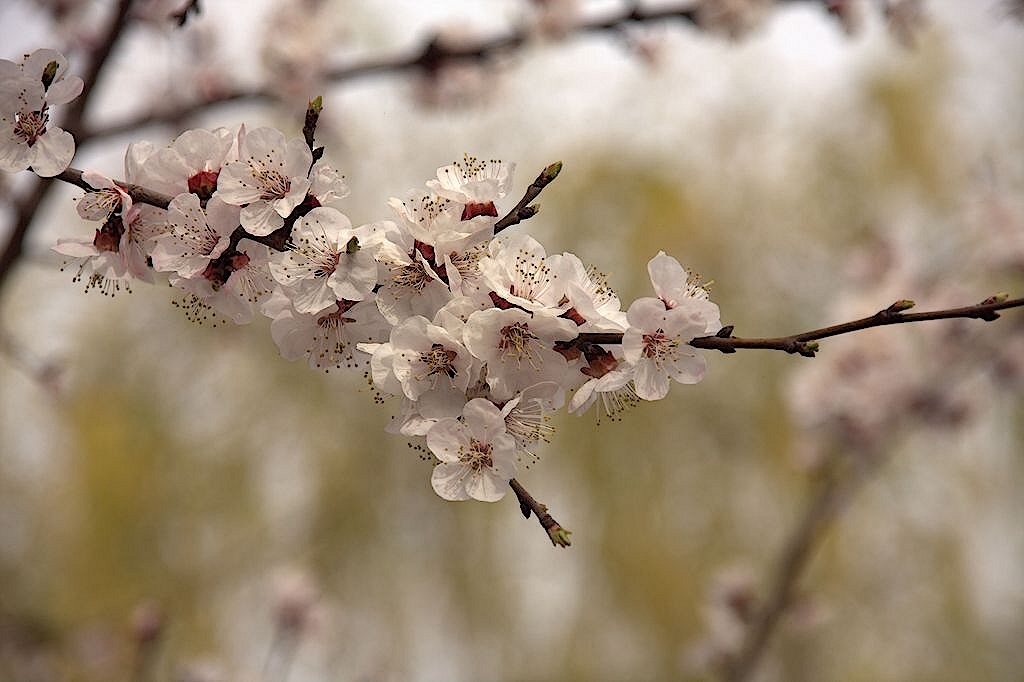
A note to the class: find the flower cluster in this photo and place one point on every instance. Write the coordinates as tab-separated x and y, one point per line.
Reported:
478	335
27	91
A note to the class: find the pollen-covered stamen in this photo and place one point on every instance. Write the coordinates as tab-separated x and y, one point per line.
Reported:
439	361
330	347
412	276
519	343
530	275
479	455
203	184
273	184
31	125
658	346
614	403
108	237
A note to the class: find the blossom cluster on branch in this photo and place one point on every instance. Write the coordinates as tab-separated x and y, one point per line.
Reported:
476	332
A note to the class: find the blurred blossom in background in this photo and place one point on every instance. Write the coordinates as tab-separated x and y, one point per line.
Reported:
180	503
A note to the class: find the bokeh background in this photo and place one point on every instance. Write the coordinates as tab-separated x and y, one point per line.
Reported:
163	479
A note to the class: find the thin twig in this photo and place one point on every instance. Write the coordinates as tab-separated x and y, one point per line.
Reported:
804	343
527	504
524	210
835	489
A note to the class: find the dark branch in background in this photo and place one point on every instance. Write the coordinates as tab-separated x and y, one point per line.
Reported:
838	484
428	58
803	344
182	15
528	505
26	208
434	53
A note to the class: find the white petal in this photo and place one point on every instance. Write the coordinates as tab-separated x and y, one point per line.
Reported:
449	481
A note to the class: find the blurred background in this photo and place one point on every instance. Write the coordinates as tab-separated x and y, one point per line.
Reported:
179	503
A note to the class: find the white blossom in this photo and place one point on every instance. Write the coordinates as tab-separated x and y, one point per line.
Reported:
476	453
329	260
268	181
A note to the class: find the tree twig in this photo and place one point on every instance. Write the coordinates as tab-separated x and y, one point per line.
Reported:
434	53
834	491
527	504
524	210
804	343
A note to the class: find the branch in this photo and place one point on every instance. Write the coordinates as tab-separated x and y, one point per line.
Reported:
25	209
804	343
523	210
559	536
821	510
428	58
138	193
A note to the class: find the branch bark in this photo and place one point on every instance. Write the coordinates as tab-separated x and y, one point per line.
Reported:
804	343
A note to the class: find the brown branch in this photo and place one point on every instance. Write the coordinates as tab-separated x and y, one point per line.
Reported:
433	54
25	209
823	507
527	504
804	343
524	210
138	193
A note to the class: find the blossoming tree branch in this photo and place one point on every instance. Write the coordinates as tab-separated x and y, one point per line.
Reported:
477	333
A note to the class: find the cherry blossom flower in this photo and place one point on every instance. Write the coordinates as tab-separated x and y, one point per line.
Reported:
593	305
657	343
516	269
672	282
329	260
528	418
119	249
518	348
428	357
269	180
231	285
330	337
191	163
474	184
27	91
27	139
476	453
196	236
410	284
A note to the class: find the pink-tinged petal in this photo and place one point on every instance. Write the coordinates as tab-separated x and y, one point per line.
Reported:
650	382
687	369
260	219
668	278
483	419
632	345
53	152
236	185
75	248
14	155
486	486
266	146
297	160
64	90
448	440
449	481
